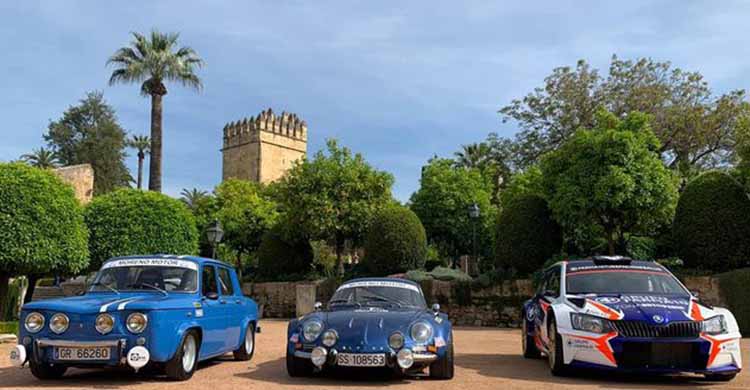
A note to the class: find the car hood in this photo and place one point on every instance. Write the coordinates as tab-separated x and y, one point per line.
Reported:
656	309
105	302
369	325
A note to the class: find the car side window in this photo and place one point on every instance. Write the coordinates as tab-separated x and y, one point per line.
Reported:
209	280
225	281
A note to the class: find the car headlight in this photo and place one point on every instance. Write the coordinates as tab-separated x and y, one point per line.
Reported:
588	323
421	332
104	323
137	322
405	358
396	340
59	323
715	325
330	337
34	322
312	329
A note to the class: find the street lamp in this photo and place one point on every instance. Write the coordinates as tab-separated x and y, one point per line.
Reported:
214	234
474	214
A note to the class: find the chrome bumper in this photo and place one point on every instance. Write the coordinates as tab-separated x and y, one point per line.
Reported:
302	355
80	344
424	357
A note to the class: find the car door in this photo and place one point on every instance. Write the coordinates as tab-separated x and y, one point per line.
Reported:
231	309
548	295
212	321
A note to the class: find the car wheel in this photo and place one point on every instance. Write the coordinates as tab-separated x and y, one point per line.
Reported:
46	371
182	366
443	368
247	348
297	367
720	377
555	350
530	351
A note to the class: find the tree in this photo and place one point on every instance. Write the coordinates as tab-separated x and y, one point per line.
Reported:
283	256
528	182
245	213
442	203
527	235
41	226
333	196
712	223
192	197
611	177
696	128
152	61
473	155
132	222
395	242
41	158
89	133
142	144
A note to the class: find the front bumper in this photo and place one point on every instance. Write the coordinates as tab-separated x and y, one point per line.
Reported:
42	351
420	359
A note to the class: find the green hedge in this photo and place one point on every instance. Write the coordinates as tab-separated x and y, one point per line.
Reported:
733	287
132	222
284	258
395	242
9	327
10	312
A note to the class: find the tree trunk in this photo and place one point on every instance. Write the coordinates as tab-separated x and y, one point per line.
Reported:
4	281
339	257
32	286
611	241
141	156
154	169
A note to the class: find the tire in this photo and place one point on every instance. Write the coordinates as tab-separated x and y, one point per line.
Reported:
555	356
720	377
444	368
183	364
297	367
247	347
530	351
46	371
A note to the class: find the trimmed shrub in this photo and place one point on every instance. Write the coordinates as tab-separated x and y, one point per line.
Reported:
733	287
284	257
526	235
712	223
133	222
439	273
395	242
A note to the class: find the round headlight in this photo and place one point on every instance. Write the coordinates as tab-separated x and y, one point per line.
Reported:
421	332
137	322
59	323
312	329
396	340
34	322
405	358
318	356
104	323
330	337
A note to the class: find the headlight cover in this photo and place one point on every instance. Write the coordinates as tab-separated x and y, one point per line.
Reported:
715	325
104	323
396	340
312	329
330	337
34	322
589	323
421	332
59	323
136	323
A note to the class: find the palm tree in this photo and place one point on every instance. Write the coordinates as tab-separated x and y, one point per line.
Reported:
473	155
151	61
142	144
192	197
42	158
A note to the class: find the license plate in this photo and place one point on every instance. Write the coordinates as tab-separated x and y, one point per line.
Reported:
83	353
361	359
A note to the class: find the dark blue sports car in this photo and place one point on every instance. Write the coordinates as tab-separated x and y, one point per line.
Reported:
373	322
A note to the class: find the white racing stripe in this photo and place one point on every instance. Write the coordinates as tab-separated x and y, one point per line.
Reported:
122	305
103	308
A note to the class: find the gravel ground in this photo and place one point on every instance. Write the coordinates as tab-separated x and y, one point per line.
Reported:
486	358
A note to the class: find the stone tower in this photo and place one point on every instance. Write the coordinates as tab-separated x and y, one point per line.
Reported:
263	148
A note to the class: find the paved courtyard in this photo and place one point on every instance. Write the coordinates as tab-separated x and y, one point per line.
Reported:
485	359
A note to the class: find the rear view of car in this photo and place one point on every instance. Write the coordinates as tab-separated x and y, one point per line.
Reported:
615	313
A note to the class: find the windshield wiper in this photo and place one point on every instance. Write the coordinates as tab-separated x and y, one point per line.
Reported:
107	286
334	302
150	286
376	298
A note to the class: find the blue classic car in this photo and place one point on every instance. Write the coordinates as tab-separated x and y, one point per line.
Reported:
169	312
614	313
373	322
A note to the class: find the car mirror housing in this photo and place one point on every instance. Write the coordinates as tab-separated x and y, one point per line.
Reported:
318	306
435	308
212	296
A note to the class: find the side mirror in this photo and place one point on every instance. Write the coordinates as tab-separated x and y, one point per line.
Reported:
212	296
695	293
436	308
550	293
318	306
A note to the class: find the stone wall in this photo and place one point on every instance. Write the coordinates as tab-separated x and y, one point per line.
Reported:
81	177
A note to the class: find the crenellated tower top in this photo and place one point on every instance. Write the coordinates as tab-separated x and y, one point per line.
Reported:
286	124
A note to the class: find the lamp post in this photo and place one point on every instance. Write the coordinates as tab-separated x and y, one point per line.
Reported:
214	234
474	214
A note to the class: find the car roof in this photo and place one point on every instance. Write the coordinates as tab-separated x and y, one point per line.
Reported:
407	281
197	259
610	261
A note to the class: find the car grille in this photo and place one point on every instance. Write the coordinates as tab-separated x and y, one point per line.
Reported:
685	356
680	329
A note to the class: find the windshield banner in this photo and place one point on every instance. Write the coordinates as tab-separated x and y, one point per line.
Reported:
379	283
151	263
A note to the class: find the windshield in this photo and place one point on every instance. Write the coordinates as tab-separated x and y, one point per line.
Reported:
379	293
622	282
156	278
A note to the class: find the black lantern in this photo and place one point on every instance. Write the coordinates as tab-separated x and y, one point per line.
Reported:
474	214
214	234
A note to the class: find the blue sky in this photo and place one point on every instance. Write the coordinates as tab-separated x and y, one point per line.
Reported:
397	81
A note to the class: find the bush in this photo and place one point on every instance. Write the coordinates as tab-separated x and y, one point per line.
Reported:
11	300
284	257
641	248
712	223
526	235
733	287
9	327
395	242
439	273
433	258
132	222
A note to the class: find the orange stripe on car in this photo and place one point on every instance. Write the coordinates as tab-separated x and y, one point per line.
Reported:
602	345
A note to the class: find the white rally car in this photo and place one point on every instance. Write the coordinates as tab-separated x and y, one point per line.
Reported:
614	313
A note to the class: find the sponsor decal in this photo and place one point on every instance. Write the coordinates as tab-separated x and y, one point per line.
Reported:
580	344
439	342
18	355
608	312
645	301
199	313
601	343
151	263
379	283
138	357
716	347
